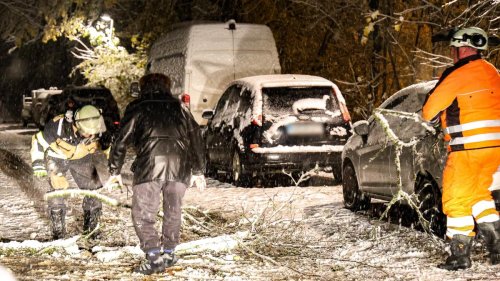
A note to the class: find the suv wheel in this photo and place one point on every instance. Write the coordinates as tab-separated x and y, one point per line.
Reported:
354	199
430	207
237	175
211	171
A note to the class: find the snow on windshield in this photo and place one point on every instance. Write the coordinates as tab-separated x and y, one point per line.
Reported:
297	100
310	103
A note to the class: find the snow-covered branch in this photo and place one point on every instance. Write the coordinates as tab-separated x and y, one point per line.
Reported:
401	195
83	193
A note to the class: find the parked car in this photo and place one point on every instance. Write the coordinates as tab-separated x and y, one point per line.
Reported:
78	96
202	58
270	123
38	101
26	116
374	166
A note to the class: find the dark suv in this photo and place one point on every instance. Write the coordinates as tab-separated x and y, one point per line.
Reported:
275	123
393	154
76	97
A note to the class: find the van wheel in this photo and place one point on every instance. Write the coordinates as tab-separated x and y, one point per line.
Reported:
430	207
354	199
238	177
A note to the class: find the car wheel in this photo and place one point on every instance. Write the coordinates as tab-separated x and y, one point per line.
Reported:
237	175
430	207
354	199
211	171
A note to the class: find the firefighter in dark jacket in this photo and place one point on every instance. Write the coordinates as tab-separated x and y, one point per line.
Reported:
67	144
170	157
466	102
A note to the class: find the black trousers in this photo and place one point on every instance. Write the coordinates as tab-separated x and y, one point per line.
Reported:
85	175
145	204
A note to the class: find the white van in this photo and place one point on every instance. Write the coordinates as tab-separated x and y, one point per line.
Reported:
201	59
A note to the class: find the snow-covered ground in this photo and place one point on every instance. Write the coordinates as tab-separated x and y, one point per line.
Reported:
298	233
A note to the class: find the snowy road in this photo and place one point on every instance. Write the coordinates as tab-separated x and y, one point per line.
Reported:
300	233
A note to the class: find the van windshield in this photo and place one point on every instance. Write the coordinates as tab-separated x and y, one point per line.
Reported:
298	100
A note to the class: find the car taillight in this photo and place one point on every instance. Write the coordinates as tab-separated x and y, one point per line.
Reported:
186	100
116	123
257	120
345	113
253	145
341	101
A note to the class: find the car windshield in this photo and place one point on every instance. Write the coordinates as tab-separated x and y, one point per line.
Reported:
298	100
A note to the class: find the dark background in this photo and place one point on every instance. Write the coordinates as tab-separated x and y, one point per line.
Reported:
317	37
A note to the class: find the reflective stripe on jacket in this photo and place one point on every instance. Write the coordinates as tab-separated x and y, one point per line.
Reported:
467	101
59	140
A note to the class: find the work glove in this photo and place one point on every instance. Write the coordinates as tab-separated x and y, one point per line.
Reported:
199	181
39	170
114	182
106	152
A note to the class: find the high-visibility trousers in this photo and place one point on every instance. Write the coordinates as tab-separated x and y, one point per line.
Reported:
468	179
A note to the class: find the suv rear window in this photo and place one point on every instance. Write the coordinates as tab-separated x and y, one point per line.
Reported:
298	100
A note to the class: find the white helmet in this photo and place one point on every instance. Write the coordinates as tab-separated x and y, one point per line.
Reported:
89	120
473	37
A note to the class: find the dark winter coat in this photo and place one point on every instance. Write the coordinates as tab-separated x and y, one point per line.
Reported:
166	138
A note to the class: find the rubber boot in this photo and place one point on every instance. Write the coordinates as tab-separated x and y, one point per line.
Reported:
491	234
91	222
154	263
57	218
169	258
460	253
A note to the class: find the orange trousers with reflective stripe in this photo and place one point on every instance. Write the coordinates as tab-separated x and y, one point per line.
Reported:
466	178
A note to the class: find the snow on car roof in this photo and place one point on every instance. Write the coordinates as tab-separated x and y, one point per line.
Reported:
421	87
282	80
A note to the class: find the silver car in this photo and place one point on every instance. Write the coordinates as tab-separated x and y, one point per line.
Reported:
396	156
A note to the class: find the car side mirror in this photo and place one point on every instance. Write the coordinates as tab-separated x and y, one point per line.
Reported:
207	114
361	128
135	89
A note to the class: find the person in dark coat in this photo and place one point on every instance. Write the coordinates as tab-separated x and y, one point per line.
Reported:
170	157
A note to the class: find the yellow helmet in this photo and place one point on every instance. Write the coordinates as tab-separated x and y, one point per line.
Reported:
89	120
473	37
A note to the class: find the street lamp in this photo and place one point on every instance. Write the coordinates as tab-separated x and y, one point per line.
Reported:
107	18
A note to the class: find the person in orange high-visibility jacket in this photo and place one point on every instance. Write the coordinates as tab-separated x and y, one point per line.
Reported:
466	101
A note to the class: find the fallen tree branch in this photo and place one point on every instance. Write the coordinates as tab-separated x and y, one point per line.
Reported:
85	193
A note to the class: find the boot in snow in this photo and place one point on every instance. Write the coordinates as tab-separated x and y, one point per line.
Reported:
491	233
460	253
153	264
57	218
91	222
169	258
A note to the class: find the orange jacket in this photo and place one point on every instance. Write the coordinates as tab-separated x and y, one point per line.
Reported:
467	100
